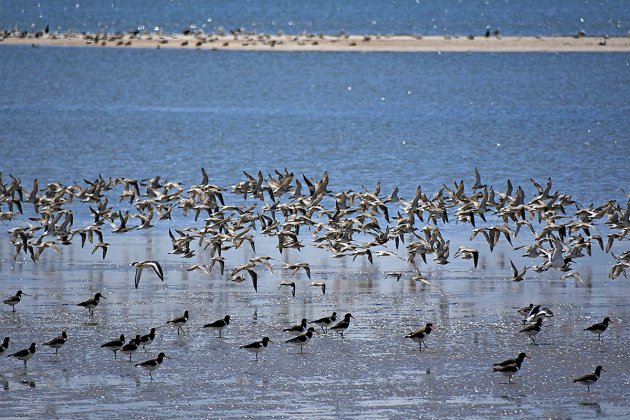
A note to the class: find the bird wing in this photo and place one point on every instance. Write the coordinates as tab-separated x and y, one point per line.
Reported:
138	274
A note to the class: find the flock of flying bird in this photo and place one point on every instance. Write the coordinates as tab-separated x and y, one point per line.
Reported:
348	224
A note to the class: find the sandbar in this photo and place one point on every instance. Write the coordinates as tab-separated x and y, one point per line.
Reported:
324	43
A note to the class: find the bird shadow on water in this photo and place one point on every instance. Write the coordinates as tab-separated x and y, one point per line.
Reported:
592	404
4	382
28	382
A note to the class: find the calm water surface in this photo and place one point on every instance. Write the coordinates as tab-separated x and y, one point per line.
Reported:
403	119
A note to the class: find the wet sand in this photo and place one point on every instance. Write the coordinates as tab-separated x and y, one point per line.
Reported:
329	43
374	372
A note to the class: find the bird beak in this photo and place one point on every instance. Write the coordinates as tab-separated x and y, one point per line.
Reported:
527	357
166	356
103	297
604	370
24	294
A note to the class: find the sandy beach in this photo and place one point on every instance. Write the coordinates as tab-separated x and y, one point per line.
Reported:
341	43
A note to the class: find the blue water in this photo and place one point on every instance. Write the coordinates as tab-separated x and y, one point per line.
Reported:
403	119
459	17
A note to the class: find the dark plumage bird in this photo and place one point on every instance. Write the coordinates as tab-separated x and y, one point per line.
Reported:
302	339
5	344
15	299
219	324
297	329
140	265
152	364
590	378
325	321
57	342
257	346
599	328
532	330
509	369
90	304
131	347
25	354
342	325
147	339
115	345
179	322
419	336
517	361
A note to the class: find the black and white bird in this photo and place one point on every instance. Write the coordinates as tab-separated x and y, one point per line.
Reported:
298	328
90	304
518	360
140	265
342	325
131	347
509	367
599	328
5	344
114	345
257	346
325	321
26	354
590	378
532	330
420	335
147	339
179	322
302	339
15	299
219	325
57	342
153	364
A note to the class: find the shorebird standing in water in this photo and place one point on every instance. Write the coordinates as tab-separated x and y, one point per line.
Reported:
179	322
509	367
532	330
15	299
25	355
419	336
219	325
590	378
599	328
90	304
325	322
57	342
257	346
302	339
153	364
298	328
342	325
115	345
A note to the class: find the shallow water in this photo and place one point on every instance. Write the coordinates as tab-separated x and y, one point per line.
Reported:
407	119
374	372
402	119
